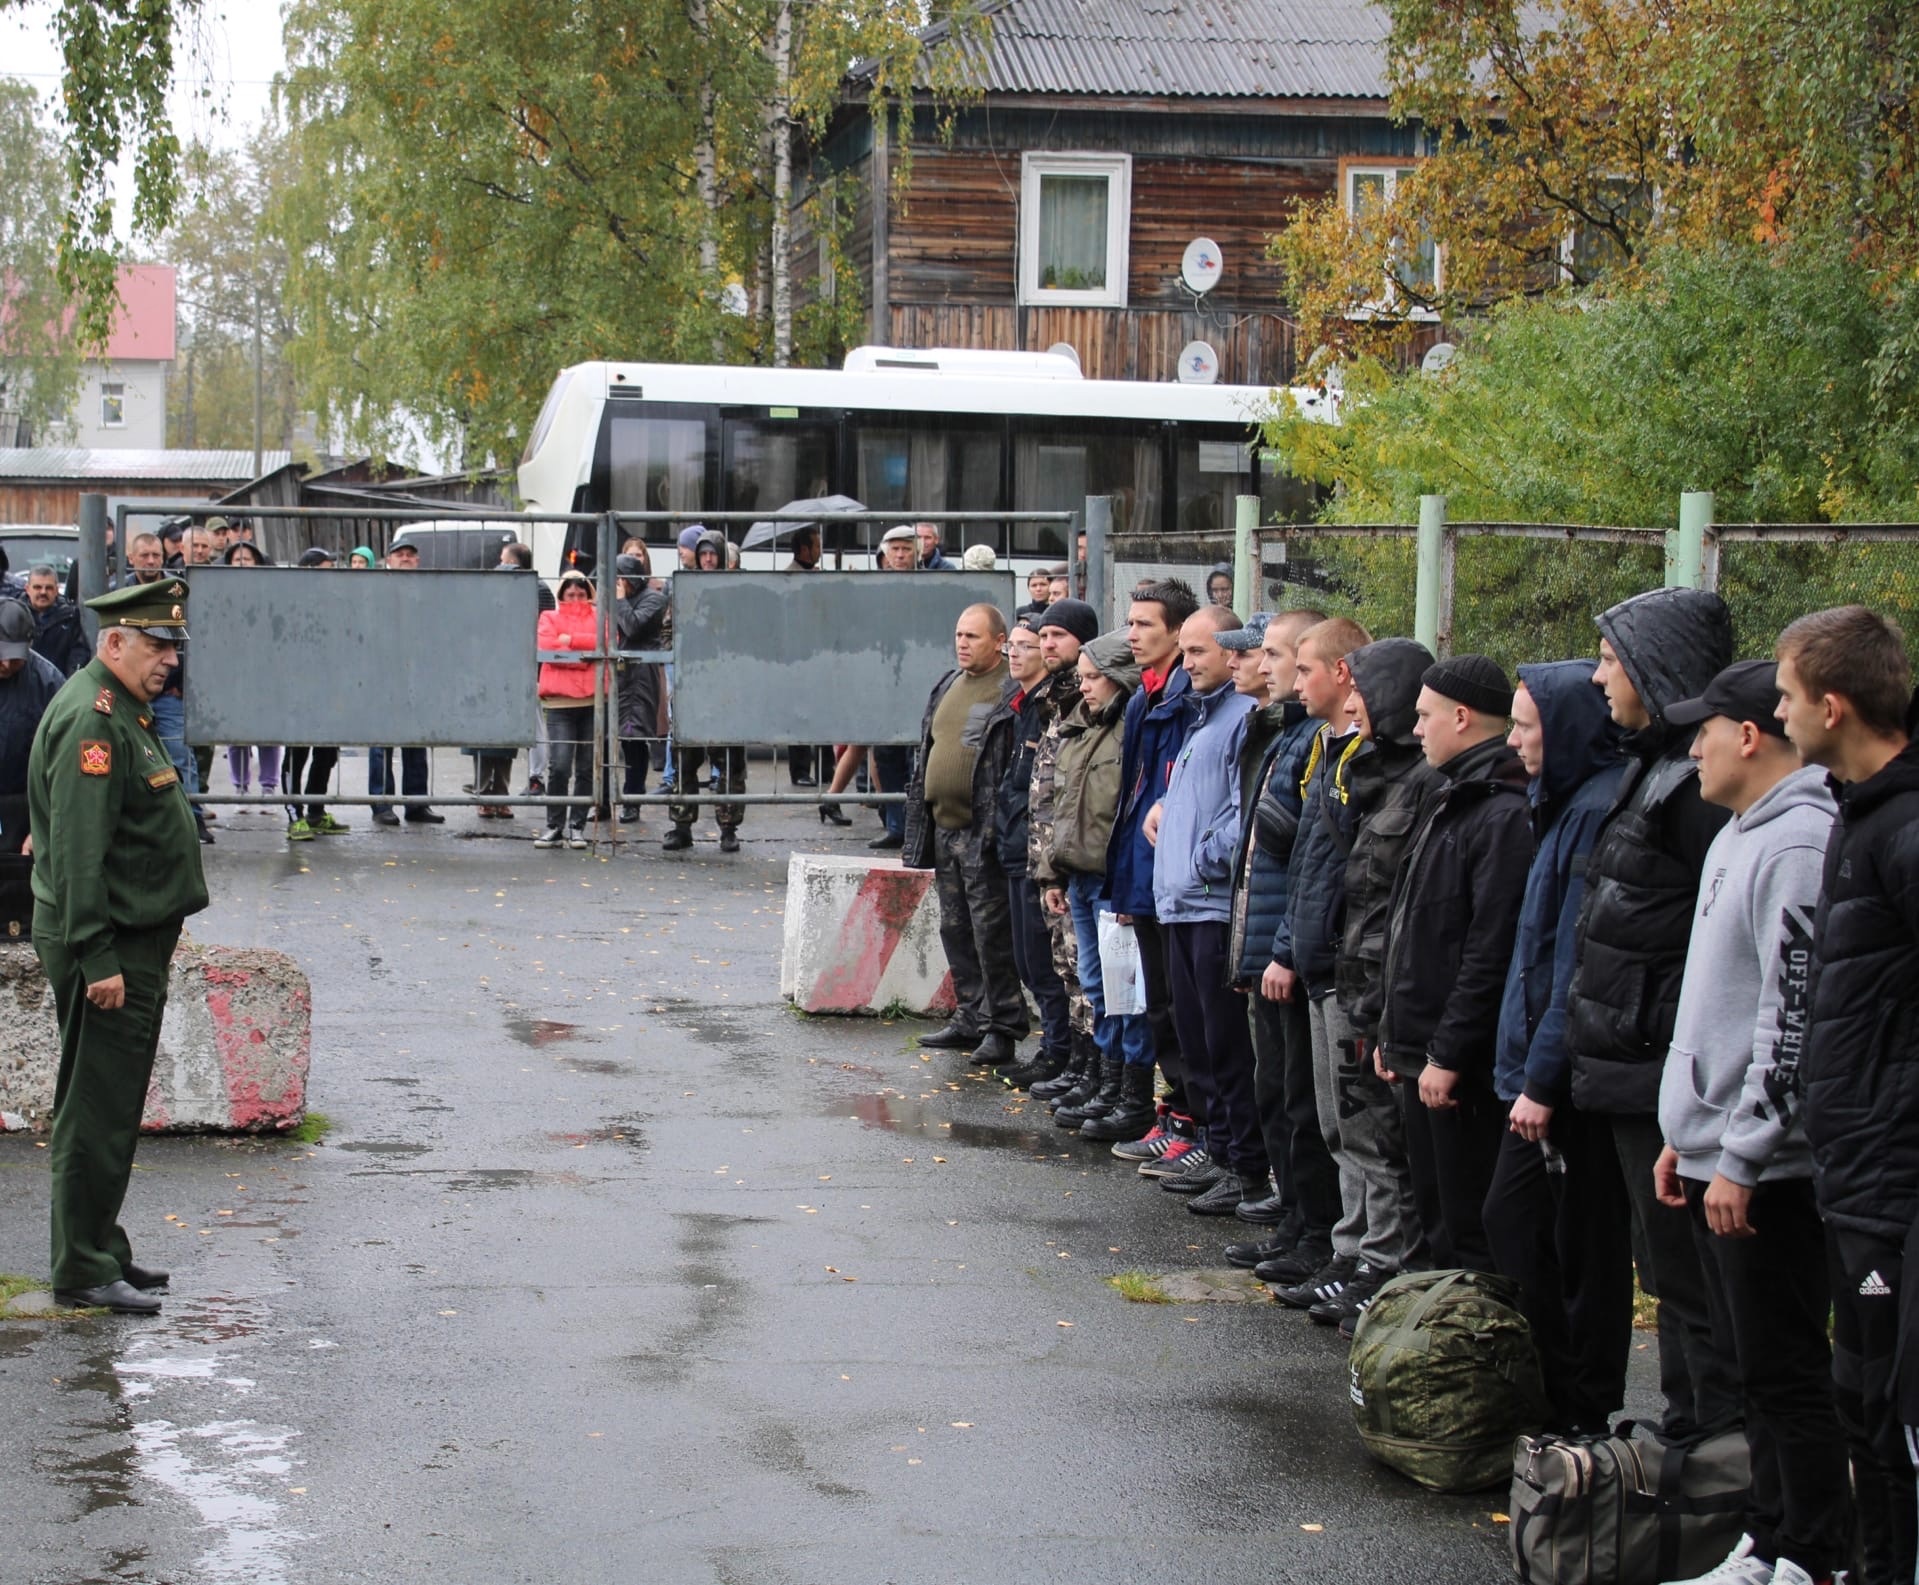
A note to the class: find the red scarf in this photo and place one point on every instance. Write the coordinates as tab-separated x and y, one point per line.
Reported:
1153	681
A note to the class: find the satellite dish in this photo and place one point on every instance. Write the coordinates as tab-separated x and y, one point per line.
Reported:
1065	349
1202	265
1198	364
1438	356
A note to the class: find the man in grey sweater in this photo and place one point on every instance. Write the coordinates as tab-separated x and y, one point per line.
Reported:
1736	1158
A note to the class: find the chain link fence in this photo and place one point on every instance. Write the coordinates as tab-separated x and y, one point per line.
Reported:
1769	574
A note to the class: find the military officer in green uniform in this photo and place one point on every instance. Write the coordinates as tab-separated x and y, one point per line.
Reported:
116	870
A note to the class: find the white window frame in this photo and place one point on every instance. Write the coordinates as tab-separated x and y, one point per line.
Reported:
1389	302
114	391
1118	169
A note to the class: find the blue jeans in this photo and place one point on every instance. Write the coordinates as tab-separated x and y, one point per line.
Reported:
1128	1037
170	721
413	776
893	763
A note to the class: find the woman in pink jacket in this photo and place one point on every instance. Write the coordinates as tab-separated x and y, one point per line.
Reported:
566	695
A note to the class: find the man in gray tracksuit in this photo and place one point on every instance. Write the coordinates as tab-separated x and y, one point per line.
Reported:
1736	1157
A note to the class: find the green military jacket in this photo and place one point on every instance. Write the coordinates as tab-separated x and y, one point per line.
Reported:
114	844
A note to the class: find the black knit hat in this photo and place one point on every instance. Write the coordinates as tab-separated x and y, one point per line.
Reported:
1475	681
1076	616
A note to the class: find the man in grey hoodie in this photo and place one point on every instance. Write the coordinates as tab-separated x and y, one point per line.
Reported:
1736	1158
1194	831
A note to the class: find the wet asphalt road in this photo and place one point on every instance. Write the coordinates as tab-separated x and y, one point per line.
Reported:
614	1268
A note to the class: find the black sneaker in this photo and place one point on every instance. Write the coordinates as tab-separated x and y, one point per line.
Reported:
1325	1283
1293	1263
1170	1130
1201	1173
1220	1199
1254	1253
1352	1298
1179	1155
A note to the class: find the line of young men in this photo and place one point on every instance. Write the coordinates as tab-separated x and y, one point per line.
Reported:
1559	1002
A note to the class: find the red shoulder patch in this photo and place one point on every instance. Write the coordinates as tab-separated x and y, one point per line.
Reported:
103	701
96	758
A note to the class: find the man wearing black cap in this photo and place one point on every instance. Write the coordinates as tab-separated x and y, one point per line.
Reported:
1736	1159
116	871
1449	936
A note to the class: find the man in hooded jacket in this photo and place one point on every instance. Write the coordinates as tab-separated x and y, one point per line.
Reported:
1549	1232
1642	880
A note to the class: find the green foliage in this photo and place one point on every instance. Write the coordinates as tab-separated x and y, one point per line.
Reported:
485	191
313	1128
1781	378
1138	1287
39	364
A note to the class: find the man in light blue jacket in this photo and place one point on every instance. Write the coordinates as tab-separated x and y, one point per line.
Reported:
1736	1158
1194	832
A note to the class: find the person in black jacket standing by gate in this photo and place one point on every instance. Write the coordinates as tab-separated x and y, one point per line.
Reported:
1449	938
1641	884
1844	694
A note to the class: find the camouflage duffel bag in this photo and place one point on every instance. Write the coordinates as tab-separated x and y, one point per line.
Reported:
1444	1377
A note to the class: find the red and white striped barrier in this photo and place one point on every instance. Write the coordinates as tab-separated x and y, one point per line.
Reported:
234	1044
863	937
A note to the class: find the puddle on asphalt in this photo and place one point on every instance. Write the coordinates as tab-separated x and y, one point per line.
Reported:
593	1064
908	1114
392	1079
383	1147
540	1031
626	1131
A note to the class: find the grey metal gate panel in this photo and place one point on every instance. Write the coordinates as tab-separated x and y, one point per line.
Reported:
318	655
816	657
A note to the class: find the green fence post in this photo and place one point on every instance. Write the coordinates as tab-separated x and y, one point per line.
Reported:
1245	552
1427	597
1686	548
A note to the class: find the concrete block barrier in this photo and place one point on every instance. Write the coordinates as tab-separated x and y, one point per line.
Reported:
862	937
234	1045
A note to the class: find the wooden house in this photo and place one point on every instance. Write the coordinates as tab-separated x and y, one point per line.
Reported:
1108	135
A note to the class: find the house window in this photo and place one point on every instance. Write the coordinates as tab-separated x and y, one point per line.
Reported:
1592	247
113	405
1075	211
1417	266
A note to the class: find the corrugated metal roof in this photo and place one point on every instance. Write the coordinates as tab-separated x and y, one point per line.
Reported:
79	462
1200	49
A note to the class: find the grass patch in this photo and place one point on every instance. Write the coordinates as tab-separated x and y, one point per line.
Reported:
314	1127
12	1285
894	1010
1136	1287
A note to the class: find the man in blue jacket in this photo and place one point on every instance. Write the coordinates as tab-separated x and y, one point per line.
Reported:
1195	829
1154	730
1541	1222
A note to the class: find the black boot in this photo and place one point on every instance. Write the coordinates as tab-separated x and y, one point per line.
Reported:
1083	1061
1047	1063
677	840
1104	1098
1131	1116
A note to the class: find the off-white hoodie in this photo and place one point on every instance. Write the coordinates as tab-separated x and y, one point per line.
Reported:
1729	1096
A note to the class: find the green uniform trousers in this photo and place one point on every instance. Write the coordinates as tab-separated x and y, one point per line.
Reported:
106	1061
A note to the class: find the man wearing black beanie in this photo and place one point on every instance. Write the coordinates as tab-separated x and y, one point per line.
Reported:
1449	938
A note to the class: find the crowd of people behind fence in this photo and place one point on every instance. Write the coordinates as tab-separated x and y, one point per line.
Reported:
1608	965
559	764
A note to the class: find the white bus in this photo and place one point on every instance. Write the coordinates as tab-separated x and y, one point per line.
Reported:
900	432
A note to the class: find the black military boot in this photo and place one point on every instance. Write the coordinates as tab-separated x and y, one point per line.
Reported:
1083	1061
1046	1063
1132	1115
1102	1100
677	839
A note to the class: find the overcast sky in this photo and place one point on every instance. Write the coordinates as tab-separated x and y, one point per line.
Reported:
239	51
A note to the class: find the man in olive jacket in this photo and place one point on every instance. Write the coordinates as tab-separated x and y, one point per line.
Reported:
116	870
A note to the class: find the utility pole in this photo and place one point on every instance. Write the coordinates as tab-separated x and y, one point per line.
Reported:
259	414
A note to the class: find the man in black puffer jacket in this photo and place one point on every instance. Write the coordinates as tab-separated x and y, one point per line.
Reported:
1641	885
1449	939
1844	682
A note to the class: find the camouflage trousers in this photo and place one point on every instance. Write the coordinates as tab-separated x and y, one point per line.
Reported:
688	763
1066	964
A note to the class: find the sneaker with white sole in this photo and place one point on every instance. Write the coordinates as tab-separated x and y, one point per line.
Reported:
551	837
1182	1156
1170	1130
1742	1567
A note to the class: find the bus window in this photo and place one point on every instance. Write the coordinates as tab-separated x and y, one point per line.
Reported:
948	469
1210	473
771	463
1054	470
655	464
